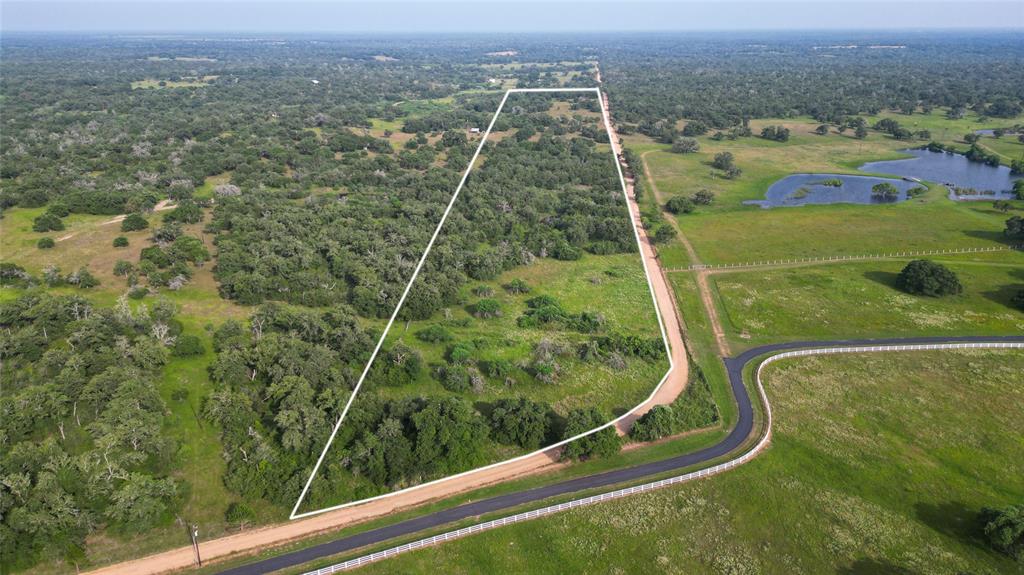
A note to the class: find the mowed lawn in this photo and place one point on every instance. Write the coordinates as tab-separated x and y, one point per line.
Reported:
878	464
846	300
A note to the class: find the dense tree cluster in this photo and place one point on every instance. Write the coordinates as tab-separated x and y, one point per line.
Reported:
655	81
925	277
113	149
281	383
81	423
551	198
693	409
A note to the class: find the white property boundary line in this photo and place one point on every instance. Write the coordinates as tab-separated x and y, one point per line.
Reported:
355	391
753	452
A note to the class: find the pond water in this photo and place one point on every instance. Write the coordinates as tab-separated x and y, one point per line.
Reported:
951	170
803	189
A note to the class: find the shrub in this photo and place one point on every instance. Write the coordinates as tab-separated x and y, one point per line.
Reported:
487	308
885	191
239	514
134	222
680	205
1015	227
120	242
434	334
167	233
657	423
483	291
723	160
460	353
685	146
45	243
83	279
47	223
58	209
455	378
925	277
187	212
663	233
187	346
704	197
779	133
496	368
695	128
123	268
156	255
598	444
518	286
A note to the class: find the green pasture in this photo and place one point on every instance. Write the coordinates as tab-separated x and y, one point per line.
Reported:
878	464
859	299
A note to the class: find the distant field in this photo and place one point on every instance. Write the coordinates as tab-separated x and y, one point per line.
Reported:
186	82
878	464
860	300
729	232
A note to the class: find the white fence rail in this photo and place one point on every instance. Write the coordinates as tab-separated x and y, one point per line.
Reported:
750	454
791	261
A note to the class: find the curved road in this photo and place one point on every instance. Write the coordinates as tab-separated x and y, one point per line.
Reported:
744	426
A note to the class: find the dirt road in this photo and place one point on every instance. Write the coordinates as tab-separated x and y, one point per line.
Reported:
276	535
161	206
701	276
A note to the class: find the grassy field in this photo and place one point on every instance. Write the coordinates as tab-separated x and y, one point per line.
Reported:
185	82
860	300
614	286
728	231
878	464
87	242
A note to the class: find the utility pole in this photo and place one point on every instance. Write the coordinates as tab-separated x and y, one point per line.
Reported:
193	532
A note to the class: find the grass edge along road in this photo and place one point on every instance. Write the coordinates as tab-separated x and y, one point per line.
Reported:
737	367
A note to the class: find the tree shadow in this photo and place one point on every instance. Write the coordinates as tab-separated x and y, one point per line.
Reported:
556	427
953	519
872	566
1003	295
486	408
993	236
888	279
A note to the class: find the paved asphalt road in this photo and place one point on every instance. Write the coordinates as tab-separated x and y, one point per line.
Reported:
744	426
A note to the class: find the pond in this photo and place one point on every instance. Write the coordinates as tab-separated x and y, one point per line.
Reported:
804	189
951	170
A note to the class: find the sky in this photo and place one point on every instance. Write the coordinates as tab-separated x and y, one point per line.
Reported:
483	16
